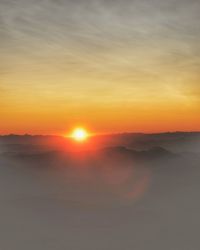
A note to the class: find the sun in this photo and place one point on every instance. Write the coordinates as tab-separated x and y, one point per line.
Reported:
79	134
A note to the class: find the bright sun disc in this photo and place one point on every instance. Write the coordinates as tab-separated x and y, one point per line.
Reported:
79	134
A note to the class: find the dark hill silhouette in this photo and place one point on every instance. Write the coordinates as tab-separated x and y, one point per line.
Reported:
113	155
178	141
152	154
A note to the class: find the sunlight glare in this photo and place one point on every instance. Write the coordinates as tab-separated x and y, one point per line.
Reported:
79	134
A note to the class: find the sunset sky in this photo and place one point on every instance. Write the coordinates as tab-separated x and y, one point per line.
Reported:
108	65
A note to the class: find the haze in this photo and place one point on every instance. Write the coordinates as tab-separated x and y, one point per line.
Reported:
132	191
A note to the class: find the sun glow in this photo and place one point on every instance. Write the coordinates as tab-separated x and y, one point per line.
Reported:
79	134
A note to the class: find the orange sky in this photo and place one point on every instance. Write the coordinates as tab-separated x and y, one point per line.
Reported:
133	66
147	117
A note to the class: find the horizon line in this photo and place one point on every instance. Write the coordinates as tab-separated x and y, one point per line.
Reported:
103	134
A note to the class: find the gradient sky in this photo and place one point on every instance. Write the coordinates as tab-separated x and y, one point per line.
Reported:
111	65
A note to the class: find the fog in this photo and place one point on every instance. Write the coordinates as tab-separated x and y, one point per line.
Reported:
110	198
